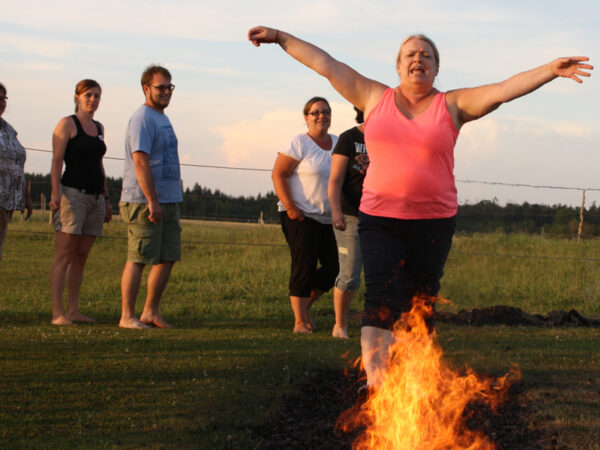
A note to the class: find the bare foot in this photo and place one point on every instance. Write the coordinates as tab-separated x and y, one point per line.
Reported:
156	321
302	329
311	323
78	317
133	324
339	333
61	320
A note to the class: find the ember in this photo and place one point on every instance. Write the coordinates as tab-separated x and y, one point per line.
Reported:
422	403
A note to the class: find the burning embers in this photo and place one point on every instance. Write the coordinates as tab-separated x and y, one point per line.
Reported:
421	403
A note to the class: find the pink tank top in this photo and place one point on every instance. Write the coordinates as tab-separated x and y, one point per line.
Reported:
411	170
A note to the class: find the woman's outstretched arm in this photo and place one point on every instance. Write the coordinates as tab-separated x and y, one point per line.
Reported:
362	92
472	103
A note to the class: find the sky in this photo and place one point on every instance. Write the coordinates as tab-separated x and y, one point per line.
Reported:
236	105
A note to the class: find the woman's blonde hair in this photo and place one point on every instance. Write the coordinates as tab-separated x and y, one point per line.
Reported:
436	53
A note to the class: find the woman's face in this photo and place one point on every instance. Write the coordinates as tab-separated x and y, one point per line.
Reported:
417	63
318	118
88	100
2	102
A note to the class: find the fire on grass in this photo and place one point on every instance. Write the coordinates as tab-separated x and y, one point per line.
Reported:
422	403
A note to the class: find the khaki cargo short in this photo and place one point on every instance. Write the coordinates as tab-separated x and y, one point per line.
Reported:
79	213
148	242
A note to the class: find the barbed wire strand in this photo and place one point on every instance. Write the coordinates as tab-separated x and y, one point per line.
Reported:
489	183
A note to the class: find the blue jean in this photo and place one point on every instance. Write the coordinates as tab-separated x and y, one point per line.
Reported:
348	244
402	259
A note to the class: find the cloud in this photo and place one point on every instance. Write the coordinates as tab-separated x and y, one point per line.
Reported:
38	46
479	139
256	141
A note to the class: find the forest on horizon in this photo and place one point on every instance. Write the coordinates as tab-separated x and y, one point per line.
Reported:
486	216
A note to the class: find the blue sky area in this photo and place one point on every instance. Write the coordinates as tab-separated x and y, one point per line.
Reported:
237	105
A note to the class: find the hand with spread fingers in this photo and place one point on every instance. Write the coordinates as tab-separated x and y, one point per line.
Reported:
571	67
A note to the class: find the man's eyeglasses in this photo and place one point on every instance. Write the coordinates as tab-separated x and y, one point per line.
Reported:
165	87
3	98
316	113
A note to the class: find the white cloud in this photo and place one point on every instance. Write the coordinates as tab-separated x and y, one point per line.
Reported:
257	141
38	46
479	139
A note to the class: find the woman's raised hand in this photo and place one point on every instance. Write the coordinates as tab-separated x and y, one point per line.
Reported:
262	35
571	67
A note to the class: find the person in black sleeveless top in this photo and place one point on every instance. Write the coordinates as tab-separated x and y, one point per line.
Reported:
79	201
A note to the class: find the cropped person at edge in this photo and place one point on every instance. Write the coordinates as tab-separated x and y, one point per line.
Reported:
14	192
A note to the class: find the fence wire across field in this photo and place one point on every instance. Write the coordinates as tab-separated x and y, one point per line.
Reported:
256	169
270	218
266	244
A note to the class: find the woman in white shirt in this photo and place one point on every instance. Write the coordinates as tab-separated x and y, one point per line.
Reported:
300	178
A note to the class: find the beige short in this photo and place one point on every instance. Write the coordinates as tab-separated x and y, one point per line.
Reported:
4	219
149	242
79	213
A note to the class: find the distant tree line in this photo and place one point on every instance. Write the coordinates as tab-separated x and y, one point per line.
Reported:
198	203
555	220
485	216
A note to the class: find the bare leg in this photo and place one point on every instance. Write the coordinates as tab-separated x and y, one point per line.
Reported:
157	281
300	309
314	295
74	277
375	343
341	305
130	285
65	249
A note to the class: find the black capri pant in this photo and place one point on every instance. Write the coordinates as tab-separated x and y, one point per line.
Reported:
310	243
402	259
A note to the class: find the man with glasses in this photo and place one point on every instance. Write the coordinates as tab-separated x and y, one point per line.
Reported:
149	200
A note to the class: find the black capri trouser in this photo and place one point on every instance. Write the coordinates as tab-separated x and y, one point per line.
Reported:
402	259
310	242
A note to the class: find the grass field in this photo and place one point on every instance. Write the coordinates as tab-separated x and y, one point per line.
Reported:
232	360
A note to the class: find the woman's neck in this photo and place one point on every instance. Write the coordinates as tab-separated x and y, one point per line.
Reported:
85	117
323	139
414	93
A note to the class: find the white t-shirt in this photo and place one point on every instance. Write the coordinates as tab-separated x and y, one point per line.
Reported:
308	182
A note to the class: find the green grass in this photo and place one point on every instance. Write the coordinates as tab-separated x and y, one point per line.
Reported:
232	359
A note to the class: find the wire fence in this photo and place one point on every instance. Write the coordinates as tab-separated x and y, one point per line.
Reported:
465	181
281	245
254	219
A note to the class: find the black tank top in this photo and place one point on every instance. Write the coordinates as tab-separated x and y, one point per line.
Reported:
83	156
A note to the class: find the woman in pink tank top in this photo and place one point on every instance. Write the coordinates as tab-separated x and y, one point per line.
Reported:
406	217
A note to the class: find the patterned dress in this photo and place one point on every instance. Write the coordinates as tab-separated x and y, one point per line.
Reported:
12	174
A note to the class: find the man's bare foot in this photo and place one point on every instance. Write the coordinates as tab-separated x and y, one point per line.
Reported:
133	324
311	324
302	329
339	333
156	321
61	320
78	317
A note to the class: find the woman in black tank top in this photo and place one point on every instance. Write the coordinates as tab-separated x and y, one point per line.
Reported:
79	199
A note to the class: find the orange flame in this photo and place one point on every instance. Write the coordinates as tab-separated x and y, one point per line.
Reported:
421	401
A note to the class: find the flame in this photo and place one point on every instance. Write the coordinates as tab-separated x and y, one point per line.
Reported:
421	402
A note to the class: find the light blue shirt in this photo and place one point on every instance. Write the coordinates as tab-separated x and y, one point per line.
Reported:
151	132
